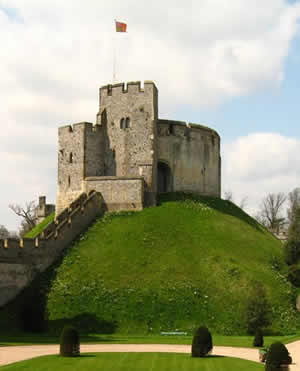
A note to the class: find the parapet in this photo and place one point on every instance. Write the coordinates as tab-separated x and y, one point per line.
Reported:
132	87
80	126
169	127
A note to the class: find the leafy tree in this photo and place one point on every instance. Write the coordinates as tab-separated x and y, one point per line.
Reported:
292	246
294	202
258	308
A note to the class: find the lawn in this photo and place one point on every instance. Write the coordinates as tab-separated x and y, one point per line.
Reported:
134	361
220	340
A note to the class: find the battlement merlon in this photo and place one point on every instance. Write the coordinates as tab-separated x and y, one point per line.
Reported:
80	126
132	88
188	125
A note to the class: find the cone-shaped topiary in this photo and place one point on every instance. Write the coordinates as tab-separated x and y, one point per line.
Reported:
202	342
277	355
69	342
258	338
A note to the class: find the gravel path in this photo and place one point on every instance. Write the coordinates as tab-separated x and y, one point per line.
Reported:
19	353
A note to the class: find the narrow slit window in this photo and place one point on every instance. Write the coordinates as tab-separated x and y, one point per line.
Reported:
122	123
71	157
69	181
127	124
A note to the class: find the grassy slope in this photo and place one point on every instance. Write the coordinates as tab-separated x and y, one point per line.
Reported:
40	227
186	262
134	361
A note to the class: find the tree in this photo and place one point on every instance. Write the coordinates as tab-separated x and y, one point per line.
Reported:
294	202
292	246
270	211
27	213
258	308
243	202
228	196
3	232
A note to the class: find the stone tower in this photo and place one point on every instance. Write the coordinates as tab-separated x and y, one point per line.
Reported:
128	118
130	155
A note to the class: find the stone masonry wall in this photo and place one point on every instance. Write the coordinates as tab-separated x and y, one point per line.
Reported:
80	154
193	154
21	260
118	193
130	151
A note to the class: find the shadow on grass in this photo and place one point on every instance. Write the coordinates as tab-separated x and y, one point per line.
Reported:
218	204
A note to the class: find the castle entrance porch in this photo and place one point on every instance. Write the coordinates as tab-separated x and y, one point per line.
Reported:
164	178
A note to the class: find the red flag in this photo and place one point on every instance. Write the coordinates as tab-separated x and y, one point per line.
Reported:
121	27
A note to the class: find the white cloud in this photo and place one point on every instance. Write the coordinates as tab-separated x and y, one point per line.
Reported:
259	164
55	55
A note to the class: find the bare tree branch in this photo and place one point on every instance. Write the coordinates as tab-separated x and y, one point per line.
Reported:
228	196
244	202
270	210
27	213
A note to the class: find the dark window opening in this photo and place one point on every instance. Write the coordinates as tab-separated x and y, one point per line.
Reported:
71	158
127	124
122	123
171	129
69	181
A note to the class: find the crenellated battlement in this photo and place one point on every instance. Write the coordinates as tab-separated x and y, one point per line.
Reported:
132	87
35	255
182	128
79	126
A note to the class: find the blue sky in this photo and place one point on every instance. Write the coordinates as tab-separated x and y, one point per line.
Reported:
233	66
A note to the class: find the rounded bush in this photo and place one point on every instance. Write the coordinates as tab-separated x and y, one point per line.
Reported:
69	342
202	342
258	338
277	355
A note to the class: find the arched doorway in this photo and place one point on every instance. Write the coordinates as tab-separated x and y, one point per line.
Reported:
164	178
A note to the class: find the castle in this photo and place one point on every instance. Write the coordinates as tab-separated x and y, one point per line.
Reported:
121	163
131	155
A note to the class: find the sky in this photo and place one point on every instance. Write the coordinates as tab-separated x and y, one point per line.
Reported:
231	65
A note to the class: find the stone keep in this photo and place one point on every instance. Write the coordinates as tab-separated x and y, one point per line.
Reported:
130	155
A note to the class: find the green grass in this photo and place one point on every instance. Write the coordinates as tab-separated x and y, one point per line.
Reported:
40	227
189	261
220	340
134	361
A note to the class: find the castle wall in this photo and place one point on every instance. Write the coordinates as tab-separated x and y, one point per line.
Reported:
192	153
21	260
118	193
130	151
80	154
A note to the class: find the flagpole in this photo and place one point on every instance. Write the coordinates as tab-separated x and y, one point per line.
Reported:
114	58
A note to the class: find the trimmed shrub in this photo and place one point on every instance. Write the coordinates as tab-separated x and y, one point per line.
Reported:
202	342
69	342
277	355
258	338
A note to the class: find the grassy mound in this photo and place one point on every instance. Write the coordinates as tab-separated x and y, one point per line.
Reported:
40	227
189	261
134	361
